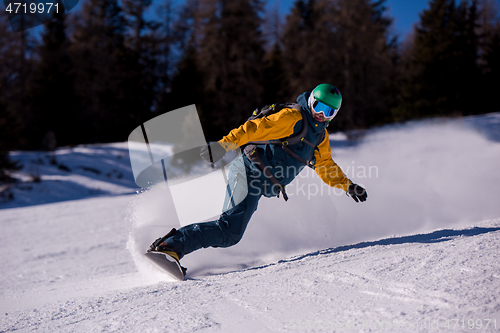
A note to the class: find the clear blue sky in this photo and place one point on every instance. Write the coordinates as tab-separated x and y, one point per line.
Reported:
405	14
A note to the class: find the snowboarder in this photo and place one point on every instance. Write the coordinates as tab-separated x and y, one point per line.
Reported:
283	162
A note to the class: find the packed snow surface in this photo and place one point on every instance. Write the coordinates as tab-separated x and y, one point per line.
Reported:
422	254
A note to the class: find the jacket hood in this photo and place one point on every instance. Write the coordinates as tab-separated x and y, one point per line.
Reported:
303	101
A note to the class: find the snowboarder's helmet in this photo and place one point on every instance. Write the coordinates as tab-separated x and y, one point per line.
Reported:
325	99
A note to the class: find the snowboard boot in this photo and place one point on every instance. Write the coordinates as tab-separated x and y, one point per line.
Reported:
159	245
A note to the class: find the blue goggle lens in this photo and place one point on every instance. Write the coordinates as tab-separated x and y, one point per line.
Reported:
327	111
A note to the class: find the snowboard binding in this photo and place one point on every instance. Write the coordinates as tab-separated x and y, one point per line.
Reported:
159	246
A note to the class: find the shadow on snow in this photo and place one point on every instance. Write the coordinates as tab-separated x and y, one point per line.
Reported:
433	237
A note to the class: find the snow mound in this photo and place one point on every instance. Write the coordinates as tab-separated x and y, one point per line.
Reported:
69	174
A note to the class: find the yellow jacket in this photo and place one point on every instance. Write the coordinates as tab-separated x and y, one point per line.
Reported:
283	124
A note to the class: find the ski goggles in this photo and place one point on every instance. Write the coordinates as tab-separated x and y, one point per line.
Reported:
327	111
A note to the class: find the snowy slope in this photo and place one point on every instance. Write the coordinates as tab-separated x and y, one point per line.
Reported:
75	266
71	173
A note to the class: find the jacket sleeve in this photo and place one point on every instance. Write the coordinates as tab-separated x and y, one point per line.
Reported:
327	169
276	126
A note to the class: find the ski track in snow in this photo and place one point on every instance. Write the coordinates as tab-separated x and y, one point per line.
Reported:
77	266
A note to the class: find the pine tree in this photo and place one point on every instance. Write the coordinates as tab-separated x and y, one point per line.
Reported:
276	88
345	43
466	60
231	59
429	63
364	54
15	65
186	86
275	79
134	13
489	52
144	47
164	48
9	133
10	121
50	87
298	33
491	76
99	49
443	66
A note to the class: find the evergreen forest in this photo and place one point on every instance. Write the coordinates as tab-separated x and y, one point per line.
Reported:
96	73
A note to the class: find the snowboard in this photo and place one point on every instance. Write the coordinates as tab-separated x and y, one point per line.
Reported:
168	264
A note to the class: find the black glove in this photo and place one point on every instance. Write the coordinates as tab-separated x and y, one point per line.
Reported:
357	193
215	149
